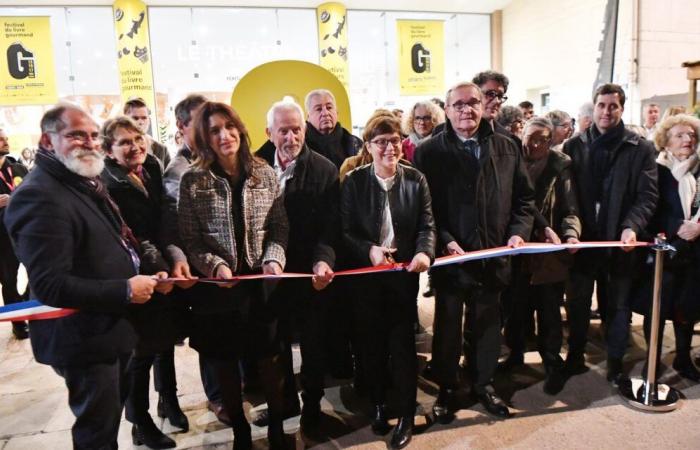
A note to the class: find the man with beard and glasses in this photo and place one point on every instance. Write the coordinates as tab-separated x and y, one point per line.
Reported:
11	175
79	254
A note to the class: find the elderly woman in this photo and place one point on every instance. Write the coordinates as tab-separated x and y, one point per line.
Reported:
418	125
386	216
232	221
677	216
134	180
512	119
538	280
563	126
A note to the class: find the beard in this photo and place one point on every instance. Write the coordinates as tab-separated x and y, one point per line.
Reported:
86	163
4	151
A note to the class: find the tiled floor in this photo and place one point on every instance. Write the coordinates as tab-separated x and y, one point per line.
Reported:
587	414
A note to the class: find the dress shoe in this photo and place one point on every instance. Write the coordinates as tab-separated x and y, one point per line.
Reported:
262	419
515	359
615	375
146	433
403	432
493	404
443	409
220	413
310	414
685	368
169	407
380	424
575	364
555	380
20	330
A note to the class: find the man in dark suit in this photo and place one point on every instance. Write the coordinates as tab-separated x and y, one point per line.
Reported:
309	184
79	254
482	198
11	175
494	86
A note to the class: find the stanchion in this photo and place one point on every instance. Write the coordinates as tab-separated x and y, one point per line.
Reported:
646	394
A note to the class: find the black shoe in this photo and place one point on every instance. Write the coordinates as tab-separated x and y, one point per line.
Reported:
262	419
242	438
595	314
575	364
310	414
276	438
685	368
20	330
403	432
555	380
146	433
169	407
515	359
218	409
615	375
380	424
444	409
493	403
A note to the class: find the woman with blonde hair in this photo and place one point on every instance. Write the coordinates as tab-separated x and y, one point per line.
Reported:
418	125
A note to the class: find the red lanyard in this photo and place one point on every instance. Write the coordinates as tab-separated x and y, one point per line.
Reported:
11	183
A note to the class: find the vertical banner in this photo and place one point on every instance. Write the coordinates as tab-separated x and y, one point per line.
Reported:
421	57
134	53
26	64
333	40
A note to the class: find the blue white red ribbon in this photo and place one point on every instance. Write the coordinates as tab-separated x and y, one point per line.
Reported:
35	310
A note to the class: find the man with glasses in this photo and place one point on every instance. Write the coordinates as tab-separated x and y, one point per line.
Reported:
79	254
494	86
482	198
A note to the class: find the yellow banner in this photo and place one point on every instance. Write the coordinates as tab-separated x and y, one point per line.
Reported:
26	63
421	57
333	40
134	53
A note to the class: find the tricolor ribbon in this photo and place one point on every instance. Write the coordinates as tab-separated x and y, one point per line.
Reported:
35	310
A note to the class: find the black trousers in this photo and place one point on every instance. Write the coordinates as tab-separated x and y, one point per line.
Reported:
165	383
579	292
484	325
96	395
9	265
545	299
385	312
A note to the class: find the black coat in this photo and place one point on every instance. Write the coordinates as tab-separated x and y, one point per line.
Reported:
75	259
161	321
629	193
311	202
361	210
503	201
337	146
681	277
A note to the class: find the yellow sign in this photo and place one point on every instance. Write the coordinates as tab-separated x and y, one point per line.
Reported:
134	53
421	57
262	86
333	40
26	62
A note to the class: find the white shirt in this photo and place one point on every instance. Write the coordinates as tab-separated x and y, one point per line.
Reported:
283	175
386	233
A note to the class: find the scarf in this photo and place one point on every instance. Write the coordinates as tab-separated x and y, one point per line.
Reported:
329	145
601	147
684	172
93	188
416	139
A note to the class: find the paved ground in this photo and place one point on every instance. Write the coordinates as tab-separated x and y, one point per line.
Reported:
587	414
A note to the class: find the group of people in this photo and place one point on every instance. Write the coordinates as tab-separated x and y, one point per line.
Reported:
105	228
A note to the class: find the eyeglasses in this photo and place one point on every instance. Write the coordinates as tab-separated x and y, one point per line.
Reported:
384	143
495	94
80	136
423	118
129	143
461	106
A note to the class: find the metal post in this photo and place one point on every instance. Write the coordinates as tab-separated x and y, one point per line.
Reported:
646	394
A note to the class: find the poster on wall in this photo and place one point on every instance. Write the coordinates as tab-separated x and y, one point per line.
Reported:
134	53
333	40
26	62
421	57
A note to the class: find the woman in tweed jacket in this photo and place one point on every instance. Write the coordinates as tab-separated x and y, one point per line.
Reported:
232	221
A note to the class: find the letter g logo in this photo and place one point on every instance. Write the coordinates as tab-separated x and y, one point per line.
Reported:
20	62
420	58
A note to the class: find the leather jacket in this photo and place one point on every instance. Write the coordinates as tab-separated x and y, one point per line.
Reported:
361	211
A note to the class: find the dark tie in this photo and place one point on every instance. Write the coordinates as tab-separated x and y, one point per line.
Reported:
472	147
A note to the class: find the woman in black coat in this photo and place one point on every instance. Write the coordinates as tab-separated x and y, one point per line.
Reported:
677	216
386	216
134	181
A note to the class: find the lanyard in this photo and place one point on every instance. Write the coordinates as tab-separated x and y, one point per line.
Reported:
11	183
